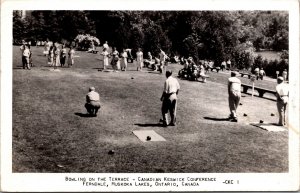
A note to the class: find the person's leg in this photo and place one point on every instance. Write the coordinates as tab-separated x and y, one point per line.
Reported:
173	109
284	114
231	105
164	111
88	108
27	63
280	108
23	62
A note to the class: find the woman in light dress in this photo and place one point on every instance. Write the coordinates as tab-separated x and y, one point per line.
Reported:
71	54
124	60
115	60
105	55
51	56
56	56
139	59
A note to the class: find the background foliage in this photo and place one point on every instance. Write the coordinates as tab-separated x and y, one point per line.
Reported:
215	35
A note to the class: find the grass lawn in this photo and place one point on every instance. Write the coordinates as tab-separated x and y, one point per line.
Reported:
49	136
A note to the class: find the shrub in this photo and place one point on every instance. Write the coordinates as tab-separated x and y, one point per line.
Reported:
84	41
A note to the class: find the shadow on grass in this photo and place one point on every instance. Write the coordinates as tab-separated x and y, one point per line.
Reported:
216	119
83	115
149	124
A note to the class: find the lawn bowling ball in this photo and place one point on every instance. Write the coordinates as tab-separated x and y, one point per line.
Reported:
245	115
272	114
148	138
241	104
111	152
261	121
132	78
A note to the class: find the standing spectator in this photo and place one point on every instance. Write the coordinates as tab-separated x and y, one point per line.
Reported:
63	56
139	59
148	62
71	54
128	50
234	92
92	104
30	56
124	60
26	55
223	65
47	48
202	73
105	55
228	64
162	58
169	99
282	95
105	45
115	59
284	75
256	72
51	56
22	48
56	56
262	73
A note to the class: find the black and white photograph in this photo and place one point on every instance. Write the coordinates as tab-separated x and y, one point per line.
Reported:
151	99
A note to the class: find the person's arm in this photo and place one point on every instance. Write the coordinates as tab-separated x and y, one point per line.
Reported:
87	98
164	92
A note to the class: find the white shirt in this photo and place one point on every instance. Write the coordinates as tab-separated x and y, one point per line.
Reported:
162	56
282	89
171	85
235	84
26	52
105	46
92	96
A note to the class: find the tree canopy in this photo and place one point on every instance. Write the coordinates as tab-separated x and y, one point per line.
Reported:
213	35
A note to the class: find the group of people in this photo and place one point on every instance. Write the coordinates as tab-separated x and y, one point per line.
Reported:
193	71
234	93
259	73
119	61
58	57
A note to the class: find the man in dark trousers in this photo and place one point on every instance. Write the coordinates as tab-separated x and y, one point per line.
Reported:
169	99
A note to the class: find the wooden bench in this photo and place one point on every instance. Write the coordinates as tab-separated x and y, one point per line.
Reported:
246	74
261	91
215	68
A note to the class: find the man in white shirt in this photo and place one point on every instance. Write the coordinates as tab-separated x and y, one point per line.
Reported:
169	99
234	92
162	58
92	104
105	45
282	94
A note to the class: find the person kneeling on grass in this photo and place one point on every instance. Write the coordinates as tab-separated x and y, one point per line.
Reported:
92	104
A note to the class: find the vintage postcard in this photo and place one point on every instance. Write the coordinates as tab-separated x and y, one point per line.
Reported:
121	96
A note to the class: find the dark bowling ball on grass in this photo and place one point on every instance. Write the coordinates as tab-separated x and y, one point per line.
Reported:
241	104
132	78
272	114
111	152
245	115
261	121
148	138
